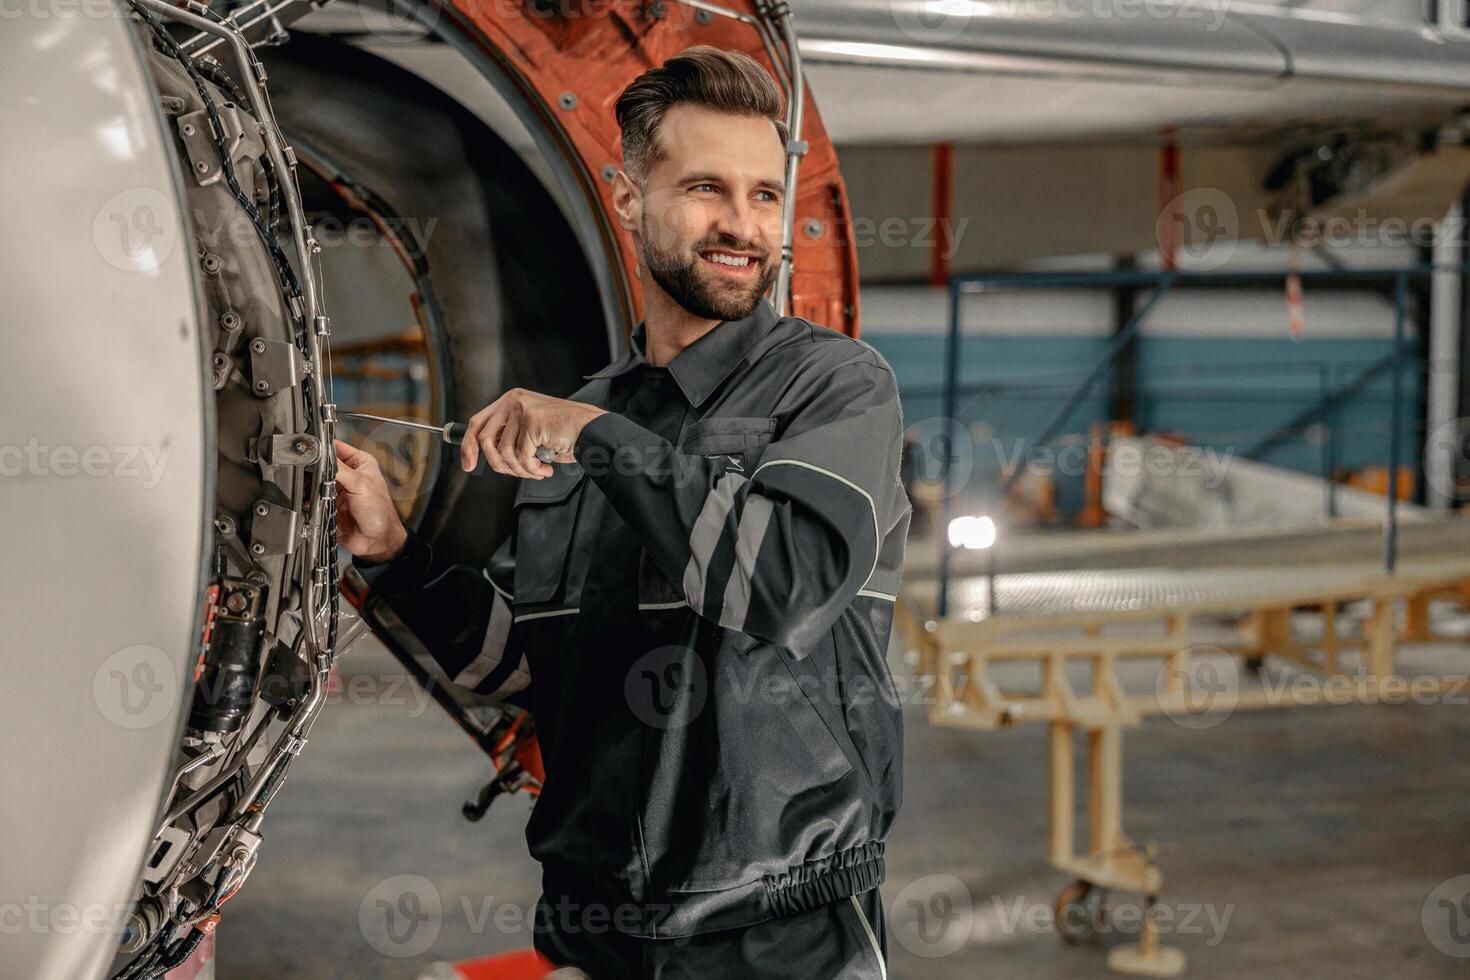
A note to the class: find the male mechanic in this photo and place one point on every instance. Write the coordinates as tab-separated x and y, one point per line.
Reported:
696	598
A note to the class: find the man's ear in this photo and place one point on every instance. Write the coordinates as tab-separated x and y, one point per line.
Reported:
627	202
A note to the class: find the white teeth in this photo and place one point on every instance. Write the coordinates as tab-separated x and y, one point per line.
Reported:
738	262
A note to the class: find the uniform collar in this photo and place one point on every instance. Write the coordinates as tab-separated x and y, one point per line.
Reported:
701	367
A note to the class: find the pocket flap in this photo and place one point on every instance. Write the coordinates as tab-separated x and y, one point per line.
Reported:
727	435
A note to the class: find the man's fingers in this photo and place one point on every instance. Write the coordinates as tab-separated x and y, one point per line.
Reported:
498	445
469	447
526	450
352	456
508	445
349	479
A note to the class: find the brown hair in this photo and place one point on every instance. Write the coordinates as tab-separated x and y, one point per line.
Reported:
730	81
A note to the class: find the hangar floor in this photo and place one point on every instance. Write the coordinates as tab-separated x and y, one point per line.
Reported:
1297	843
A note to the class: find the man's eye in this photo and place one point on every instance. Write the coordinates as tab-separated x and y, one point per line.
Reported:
702	187
767	196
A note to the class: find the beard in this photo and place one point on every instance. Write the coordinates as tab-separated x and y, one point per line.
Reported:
681	277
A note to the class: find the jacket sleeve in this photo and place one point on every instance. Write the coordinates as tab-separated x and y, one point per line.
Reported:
777	553
462	615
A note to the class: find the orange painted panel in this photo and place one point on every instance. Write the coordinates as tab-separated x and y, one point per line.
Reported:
573	58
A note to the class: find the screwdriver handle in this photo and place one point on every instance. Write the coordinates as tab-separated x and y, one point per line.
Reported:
454	434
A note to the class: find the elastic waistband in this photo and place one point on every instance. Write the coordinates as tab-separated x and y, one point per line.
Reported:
674	914
817	883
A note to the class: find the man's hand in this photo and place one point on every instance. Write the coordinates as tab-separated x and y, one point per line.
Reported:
511	428
367	522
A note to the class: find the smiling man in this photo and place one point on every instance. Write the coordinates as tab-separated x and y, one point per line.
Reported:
697	596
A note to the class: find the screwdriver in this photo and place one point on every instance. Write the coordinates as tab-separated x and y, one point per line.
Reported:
452	432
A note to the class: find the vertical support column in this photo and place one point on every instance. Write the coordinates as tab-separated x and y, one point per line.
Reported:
1330	645
1063	793
951	400
943	201
1443	399
1123	382
1105	789
1391	526
1380	647
1416	619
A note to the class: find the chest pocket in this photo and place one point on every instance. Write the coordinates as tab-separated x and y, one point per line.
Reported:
546	517
744	439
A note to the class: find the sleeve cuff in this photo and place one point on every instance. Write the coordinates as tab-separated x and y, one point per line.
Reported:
603	437
405	572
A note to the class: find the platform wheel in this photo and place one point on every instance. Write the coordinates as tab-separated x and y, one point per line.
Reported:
1081	912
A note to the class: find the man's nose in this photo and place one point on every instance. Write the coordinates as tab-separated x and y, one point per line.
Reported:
738	220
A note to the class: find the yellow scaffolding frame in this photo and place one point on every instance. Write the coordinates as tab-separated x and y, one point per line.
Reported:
958	653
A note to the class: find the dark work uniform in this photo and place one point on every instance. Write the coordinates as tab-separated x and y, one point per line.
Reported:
697	612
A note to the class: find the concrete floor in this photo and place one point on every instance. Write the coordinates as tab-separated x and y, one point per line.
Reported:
1295	844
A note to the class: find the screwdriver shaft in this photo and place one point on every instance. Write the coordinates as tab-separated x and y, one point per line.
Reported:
452	433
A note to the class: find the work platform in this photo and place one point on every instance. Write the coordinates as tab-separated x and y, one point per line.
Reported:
1097	649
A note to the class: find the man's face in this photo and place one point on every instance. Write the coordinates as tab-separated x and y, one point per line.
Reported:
710	229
